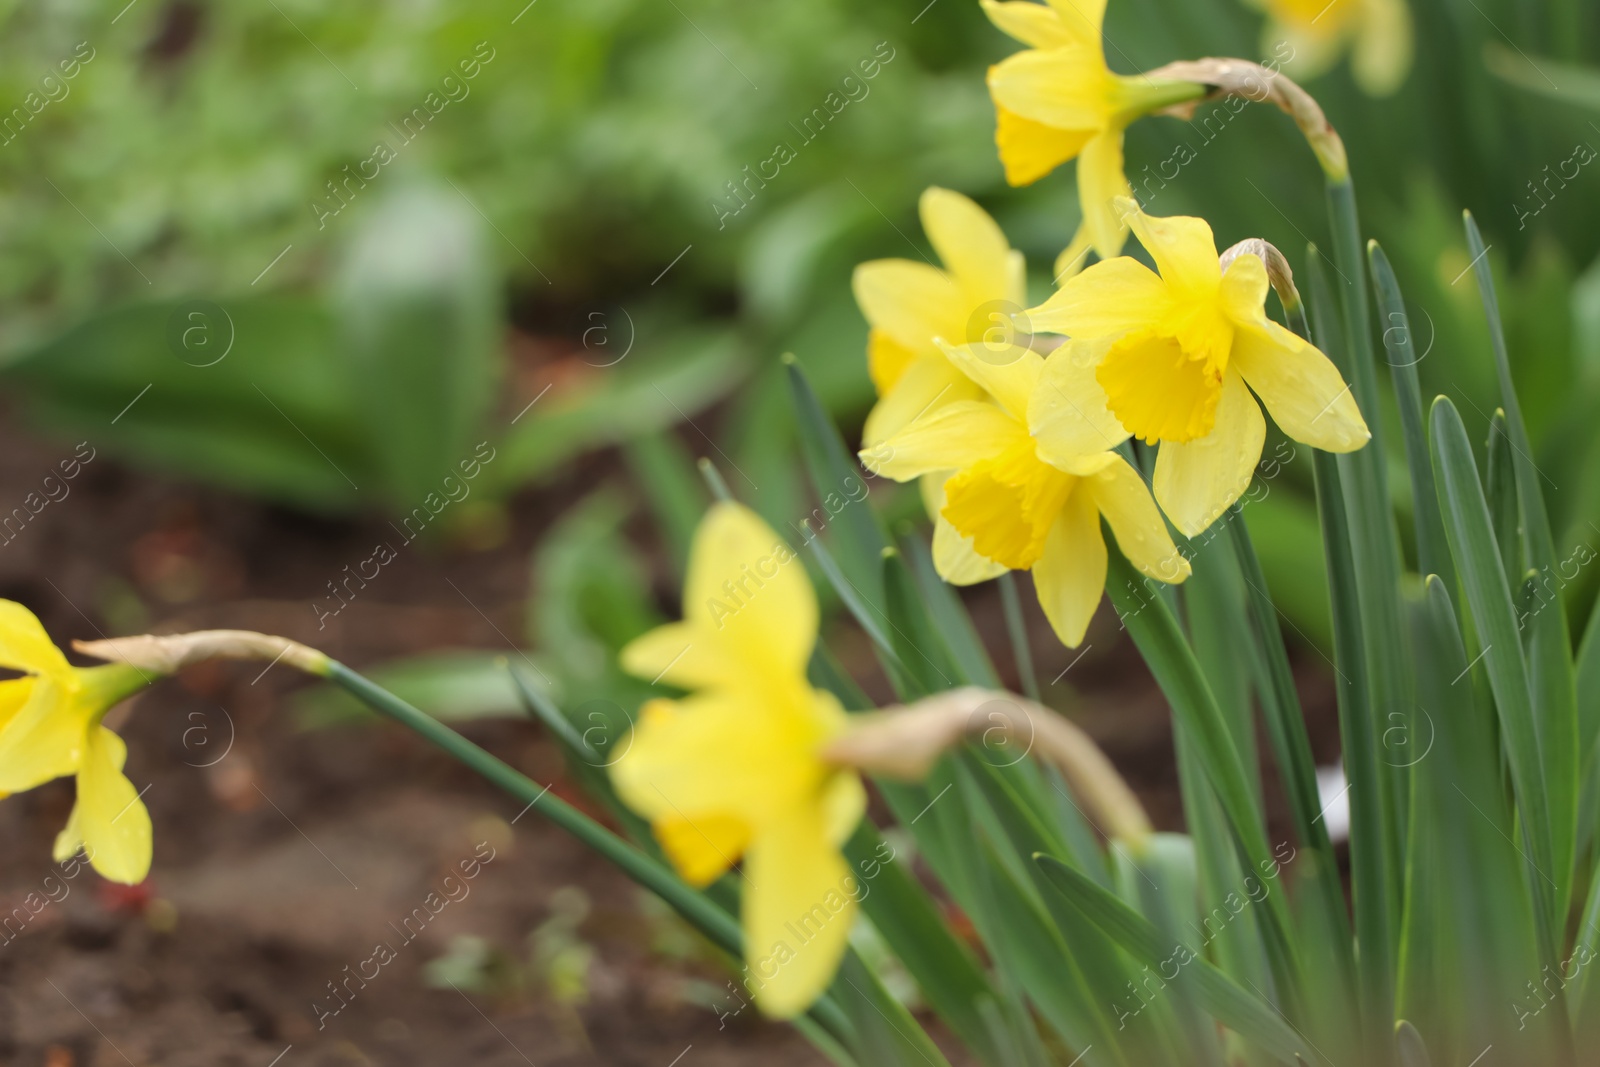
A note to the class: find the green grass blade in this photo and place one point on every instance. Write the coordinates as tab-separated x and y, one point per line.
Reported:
903	912
1469	941
1371	527
1472	542
1229	1003
1433	553
1376	868
1501	489
1154	629
1017	631
1549	644
833	470
949	617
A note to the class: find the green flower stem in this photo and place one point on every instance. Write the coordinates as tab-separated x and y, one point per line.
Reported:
705	916
1374	863
1373	533
1017	628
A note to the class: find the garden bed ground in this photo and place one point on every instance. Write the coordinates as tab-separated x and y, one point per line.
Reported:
288	859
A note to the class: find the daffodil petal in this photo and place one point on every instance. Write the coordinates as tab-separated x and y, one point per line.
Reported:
1072	258
911	302
14	694
1311	52
974	250
1067	413
844	802
746	754
680	655
799	905
1103	192
43	740
1060	87
1035	25
70	840
1007	372
1244	288
747	591
1082	18
1125	501
1382	56
1183	247
1110	298
1300	387
950	437
1070	576
1195	482
24	645
112	818
954	557
1029	150
887	360
703	848
926	385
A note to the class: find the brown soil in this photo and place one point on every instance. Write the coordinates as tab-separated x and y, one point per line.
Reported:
289	858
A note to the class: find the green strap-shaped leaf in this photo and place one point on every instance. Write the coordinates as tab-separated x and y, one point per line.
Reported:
1483	578
1230	1004
1154	629
1433	553
1550	676
861	537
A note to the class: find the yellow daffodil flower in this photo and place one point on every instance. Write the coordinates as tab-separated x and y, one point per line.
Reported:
1173	358
50	727
735	768
1315	33
1012	506
1058	101
908	303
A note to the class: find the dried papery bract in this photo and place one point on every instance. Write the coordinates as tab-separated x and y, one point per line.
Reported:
1251	81
905	742
166	654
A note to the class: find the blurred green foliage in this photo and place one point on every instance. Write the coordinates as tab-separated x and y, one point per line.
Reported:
373	193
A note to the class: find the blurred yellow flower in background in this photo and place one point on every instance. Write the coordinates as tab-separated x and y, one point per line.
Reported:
1173	358
50	726
735	769
908	303
1009	506
1377	34
1057	101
